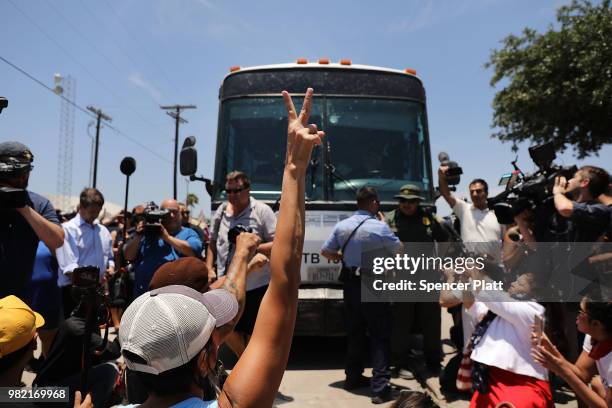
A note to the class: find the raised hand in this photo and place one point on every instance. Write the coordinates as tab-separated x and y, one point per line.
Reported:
257	262
248	242
301	136
547	355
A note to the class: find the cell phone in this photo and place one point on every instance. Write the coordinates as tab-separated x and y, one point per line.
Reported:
539	327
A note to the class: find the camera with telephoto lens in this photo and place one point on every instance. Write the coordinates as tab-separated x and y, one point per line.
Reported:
11	198
237	230
153	216
530	191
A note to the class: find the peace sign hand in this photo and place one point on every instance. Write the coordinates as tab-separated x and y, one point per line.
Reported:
301	136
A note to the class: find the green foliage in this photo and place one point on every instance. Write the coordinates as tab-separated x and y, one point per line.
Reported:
191	200
558	85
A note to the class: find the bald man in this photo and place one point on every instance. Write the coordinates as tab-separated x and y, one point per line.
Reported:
150	251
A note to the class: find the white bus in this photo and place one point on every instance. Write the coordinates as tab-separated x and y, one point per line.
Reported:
376	134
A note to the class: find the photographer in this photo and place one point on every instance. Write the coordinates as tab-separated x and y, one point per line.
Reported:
25	219
166	242
479	227
576	201
87	242
241	211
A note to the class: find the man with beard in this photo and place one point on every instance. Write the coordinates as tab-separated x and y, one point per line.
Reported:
22	226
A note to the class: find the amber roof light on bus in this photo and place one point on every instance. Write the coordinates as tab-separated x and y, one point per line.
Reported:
301	61
324	61
235	68
410	71
346	62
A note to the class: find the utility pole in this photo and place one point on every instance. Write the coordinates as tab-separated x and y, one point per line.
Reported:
100	115
174	111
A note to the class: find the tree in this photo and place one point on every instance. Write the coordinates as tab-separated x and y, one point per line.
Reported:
559	83
191	200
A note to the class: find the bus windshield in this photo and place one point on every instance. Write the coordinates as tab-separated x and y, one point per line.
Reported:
375	142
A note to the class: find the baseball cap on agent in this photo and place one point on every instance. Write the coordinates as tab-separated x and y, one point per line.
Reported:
169	326
410	192
18	324
15	157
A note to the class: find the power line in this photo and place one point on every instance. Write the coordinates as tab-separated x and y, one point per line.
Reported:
83	110
93	46
104	86
174	111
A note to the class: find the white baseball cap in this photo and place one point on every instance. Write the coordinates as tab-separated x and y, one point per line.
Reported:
169	326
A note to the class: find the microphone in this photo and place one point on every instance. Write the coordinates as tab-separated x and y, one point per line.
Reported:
128	166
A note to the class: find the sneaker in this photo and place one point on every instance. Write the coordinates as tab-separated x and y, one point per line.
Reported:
383	396
352	383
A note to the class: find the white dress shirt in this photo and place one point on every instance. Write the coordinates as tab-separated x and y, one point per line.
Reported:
84	245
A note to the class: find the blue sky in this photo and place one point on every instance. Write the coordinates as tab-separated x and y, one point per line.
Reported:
130	56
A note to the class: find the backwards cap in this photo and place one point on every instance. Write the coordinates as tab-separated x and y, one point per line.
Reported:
168	327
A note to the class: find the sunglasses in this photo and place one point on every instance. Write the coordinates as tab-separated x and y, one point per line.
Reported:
235	190
405	200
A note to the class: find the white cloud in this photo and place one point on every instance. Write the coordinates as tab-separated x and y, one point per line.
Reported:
199	19
136	79
422	19
424	15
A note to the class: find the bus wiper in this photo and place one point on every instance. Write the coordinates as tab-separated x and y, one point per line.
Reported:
314	162
332	172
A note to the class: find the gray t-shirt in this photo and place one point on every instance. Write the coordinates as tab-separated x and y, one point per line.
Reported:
261	219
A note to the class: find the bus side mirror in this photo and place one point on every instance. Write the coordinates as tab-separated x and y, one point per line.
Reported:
189	157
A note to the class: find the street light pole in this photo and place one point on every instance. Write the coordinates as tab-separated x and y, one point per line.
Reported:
99	115
174	111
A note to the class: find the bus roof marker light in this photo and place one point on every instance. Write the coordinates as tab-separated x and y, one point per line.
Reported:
410	71
301	61
346	62
324	61
235	68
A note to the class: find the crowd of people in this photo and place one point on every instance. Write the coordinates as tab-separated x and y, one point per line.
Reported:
173	292
505	352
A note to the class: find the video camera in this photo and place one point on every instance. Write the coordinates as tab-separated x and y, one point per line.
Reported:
153	216
87	289
237	230
11	198
454	172
530	191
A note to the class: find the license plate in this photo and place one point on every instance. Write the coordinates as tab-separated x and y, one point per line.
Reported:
323	274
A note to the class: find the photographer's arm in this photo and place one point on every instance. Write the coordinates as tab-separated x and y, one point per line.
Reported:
178	244
48	232
256	377
563	205
443	186
130	249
